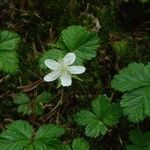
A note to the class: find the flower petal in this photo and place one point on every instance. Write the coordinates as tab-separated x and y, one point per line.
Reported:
76	69
52	76
66	79
69	58
52	64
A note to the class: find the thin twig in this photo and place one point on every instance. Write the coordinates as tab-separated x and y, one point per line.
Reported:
52	112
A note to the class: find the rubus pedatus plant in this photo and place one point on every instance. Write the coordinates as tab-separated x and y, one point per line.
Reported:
75	45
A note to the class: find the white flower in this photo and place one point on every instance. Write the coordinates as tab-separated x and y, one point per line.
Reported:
62	69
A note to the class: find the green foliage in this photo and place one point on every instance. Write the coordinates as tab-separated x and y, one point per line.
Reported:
140	141
120	47
74	39
104	115
135	82
20	135
9	42
77	144
28	107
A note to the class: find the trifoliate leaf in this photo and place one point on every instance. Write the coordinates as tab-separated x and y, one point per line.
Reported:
108	113
16	137
104	115
80	144
140	140
135	81
132	77
9	41
21	136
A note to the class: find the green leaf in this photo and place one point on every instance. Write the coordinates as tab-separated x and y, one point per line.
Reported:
75	39
84	43
140	140
21	98
136	104
43	98
95	128
132	77
16	137
135	81
24	103
21	136
25	109
9	42
50	131
108	113
104	114
80	144
9	61
84	117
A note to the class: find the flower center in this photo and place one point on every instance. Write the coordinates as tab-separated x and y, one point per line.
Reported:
63	67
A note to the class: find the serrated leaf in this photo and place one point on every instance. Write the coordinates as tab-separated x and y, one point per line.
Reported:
9	61
8	40
104	115
136	104
8	57
20	136
75	39
106	112
49	132
80	41
95	128
135	81
132	77
80	144
17	136
83	117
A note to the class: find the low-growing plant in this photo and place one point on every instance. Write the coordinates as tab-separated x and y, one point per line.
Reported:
134	82
36	106
20	135
103	115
